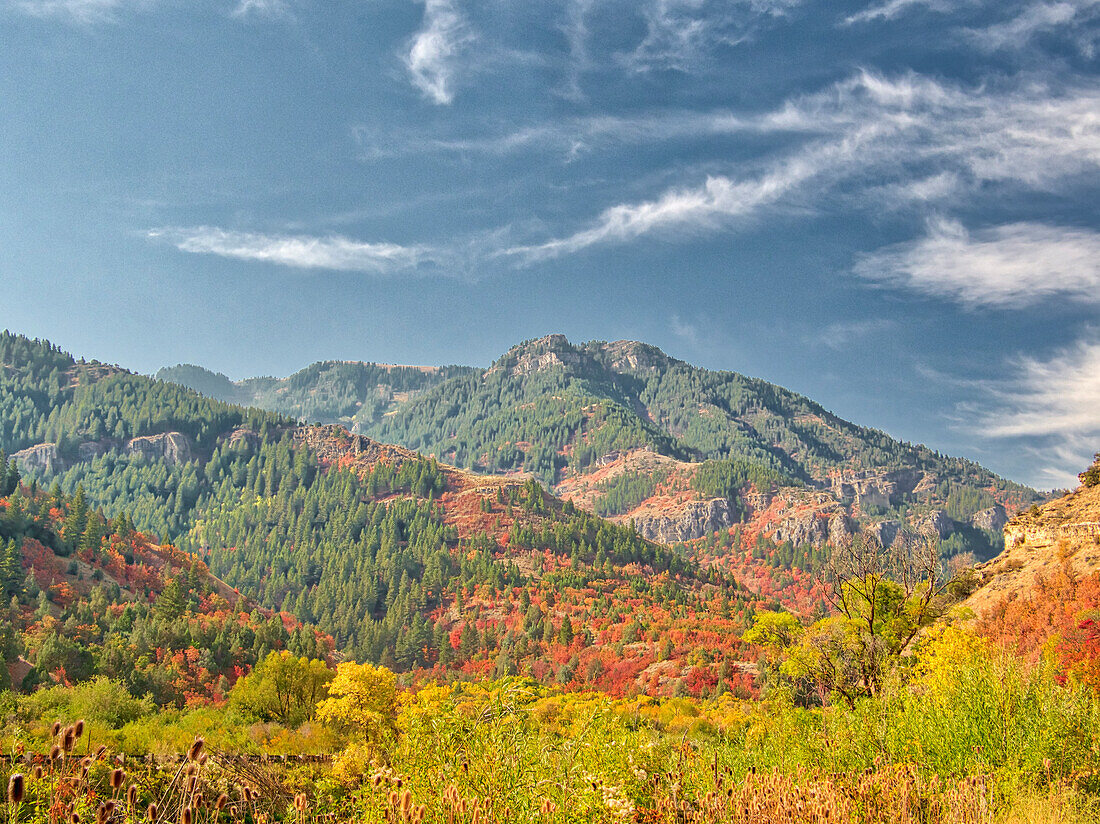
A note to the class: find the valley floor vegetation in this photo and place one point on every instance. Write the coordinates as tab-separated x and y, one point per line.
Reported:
965	732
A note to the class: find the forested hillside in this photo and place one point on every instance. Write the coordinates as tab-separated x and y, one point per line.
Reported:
347	392
549	407
393	557
204	568
584	417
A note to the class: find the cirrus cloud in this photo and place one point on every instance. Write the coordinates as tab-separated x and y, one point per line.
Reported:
436	49
873	134
1051	404
1008	266
332	252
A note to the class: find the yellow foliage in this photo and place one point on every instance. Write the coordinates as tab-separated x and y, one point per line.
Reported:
350	766
946	649
363	701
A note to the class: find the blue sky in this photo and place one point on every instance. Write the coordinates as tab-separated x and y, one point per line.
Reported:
888	205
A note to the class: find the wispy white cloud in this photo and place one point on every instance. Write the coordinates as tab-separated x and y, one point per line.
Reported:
261	8
568	136
682	34
876	134
1053	400
436	50
843	334
1006	266
716	202
895	8
333	252
87	12
75	11
684	330
1038	17
575	29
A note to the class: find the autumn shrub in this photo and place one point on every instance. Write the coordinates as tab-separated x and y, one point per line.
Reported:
98	700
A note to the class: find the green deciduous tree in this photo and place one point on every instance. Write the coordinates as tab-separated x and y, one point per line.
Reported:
283	688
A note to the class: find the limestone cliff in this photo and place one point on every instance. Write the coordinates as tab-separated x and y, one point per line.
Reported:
171	447
694	520
45	458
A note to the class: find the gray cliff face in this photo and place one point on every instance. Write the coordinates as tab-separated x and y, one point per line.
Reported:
840	528
43	459
816	527
172	447
810	528
938	522
545	353
699	518
992	519
885	531
632	356
877	489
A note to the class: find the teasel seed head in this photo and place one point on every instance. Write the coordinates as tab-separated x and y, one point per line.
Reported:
78	728
219	805
55	730
196	749
151	812
186	816
131	795
15	788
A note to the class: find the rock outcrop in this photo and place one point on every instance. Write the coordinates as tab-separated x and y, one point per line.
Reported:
1037	543
335	445
992	519
171	447
537	355
46	459
43	459
809	528
885	531
696	519
633	356
937	521
876	489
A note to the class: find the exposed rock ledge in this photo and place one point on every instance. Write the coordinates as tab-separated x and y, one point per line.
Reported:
1038	543
173	447
698	518
45	459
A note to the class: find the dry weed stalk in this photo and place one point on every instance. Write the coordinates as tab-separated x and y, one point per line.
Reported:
893	795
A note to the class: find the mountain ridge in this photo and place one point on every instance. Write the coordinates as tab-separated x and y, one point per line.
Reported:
562	411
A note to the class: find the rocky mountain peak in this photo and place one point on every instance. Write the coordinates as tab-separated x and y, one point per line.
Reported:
634	356
540	354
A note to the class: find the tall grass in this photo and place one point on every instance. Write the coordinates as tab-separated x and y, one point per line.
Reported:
969	736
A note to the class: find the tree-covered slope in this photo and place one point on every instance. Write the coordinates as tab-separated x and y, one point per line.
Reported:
48	396
394	556
578	417
346	392
551	407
